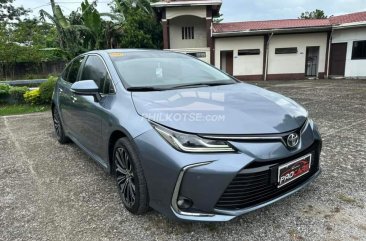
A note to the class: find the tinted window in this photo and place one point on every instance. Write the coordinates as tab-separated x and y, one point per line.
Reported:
249	51
292	50
164	69
74	69
94	69
65	72
359	50
198	54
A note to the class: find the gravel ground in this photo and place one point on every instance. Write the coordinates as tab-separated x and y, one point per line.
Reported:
54	192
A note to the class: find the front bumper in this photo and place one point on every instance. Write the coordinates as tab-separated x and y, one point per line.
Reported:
220	215
203	178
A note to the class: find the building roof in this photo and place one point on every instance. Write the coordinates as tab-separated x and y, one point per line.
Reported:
168	3
287	24
271	24
348	18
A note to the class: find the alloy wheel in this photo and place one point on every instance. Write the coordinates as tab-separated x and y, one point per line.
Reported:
125	176
57	123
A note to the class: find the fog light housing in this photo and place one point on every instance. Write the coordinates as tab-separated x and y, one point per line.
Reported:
184	203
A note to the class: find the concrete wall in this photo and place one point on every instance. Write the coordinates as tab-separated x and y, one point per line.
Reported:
246	64
295	63
357	67
175	32
25	70
198	11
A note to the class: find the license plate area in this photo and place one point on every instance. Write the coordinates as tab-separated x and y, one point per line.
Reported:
293	170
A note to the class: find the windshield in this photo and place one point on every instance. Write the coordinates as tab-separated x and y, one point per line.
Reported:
154	69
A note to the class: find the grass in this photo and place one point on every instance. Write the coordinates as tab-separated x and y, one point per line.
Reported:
21	109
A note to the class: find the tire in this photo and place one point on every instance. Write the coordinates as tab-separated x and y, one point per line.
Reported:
59	130
130	178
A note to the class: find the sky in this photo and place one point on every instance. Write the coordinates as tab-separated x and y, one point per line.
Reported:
233	10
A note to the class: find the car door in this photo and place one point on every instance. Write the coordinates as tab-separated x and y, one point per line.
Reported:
90	114
67	97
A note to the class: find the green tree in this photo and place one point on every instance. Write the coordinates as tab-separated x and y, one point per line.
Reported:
218	19
24	40
101	33
9	12
140	28
32	32
316	14
70	36
84	31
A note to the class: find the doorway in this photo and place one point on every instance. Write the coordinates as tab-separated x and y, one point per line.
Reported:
312	61
227	61
338	54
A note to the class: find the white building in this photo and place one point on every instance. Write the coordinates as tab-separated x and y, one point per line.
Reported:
266	50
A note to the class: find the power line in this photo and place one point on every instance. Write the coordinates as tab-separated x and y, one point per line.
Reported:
68	2
79	2
44	5
63	3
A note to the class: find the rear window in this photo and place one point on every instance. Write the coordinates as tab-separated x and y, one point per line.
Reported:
74	69
70	74
65	73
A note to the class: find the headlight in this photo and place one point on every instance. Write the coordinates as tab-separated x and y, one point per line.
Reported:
191	143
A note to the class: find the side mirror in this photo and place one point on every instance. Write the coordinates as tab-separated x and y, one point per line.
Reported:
86	87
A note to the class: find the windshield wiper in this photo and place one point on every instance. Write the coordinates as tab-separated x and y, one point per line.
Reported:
201	85
151	88
144	88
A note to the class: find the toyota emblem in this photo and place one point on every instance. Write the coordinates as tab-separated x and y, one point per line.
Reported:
292	140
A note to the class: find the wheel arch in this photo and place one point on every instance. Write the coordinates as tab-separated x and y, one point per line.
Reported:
114	136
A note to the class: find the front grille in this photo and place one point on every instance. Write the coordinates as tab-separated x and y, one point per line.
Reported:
252	187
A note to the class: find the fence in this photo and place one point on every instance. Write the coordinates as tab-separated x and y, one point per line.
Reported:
29	70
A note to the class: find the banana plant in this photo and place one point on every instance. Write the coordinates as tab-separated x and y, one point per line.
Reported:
102	33
92	33
123	5
69	35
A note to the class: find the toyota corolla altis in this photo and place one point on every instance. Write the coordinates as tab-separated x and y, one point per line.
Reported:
182	137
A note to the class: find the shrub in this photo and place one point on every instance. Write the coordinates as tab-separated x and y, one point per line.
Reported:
4	93
4	90
17	93
46	90
32	96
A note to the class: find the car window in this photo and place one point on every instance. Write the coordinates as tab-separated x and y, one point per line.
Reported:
74	69
94	69
65	72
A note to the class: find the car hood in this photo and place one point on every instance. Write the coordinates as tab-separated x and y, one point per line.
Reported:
226	109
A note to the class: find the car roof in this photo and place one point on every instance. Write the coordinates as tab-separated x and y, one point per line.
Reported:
124	51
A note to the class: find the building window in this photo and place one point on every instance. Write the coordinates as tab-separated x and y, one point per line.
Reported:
292	50
198	54
359	50
249	51
187	32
